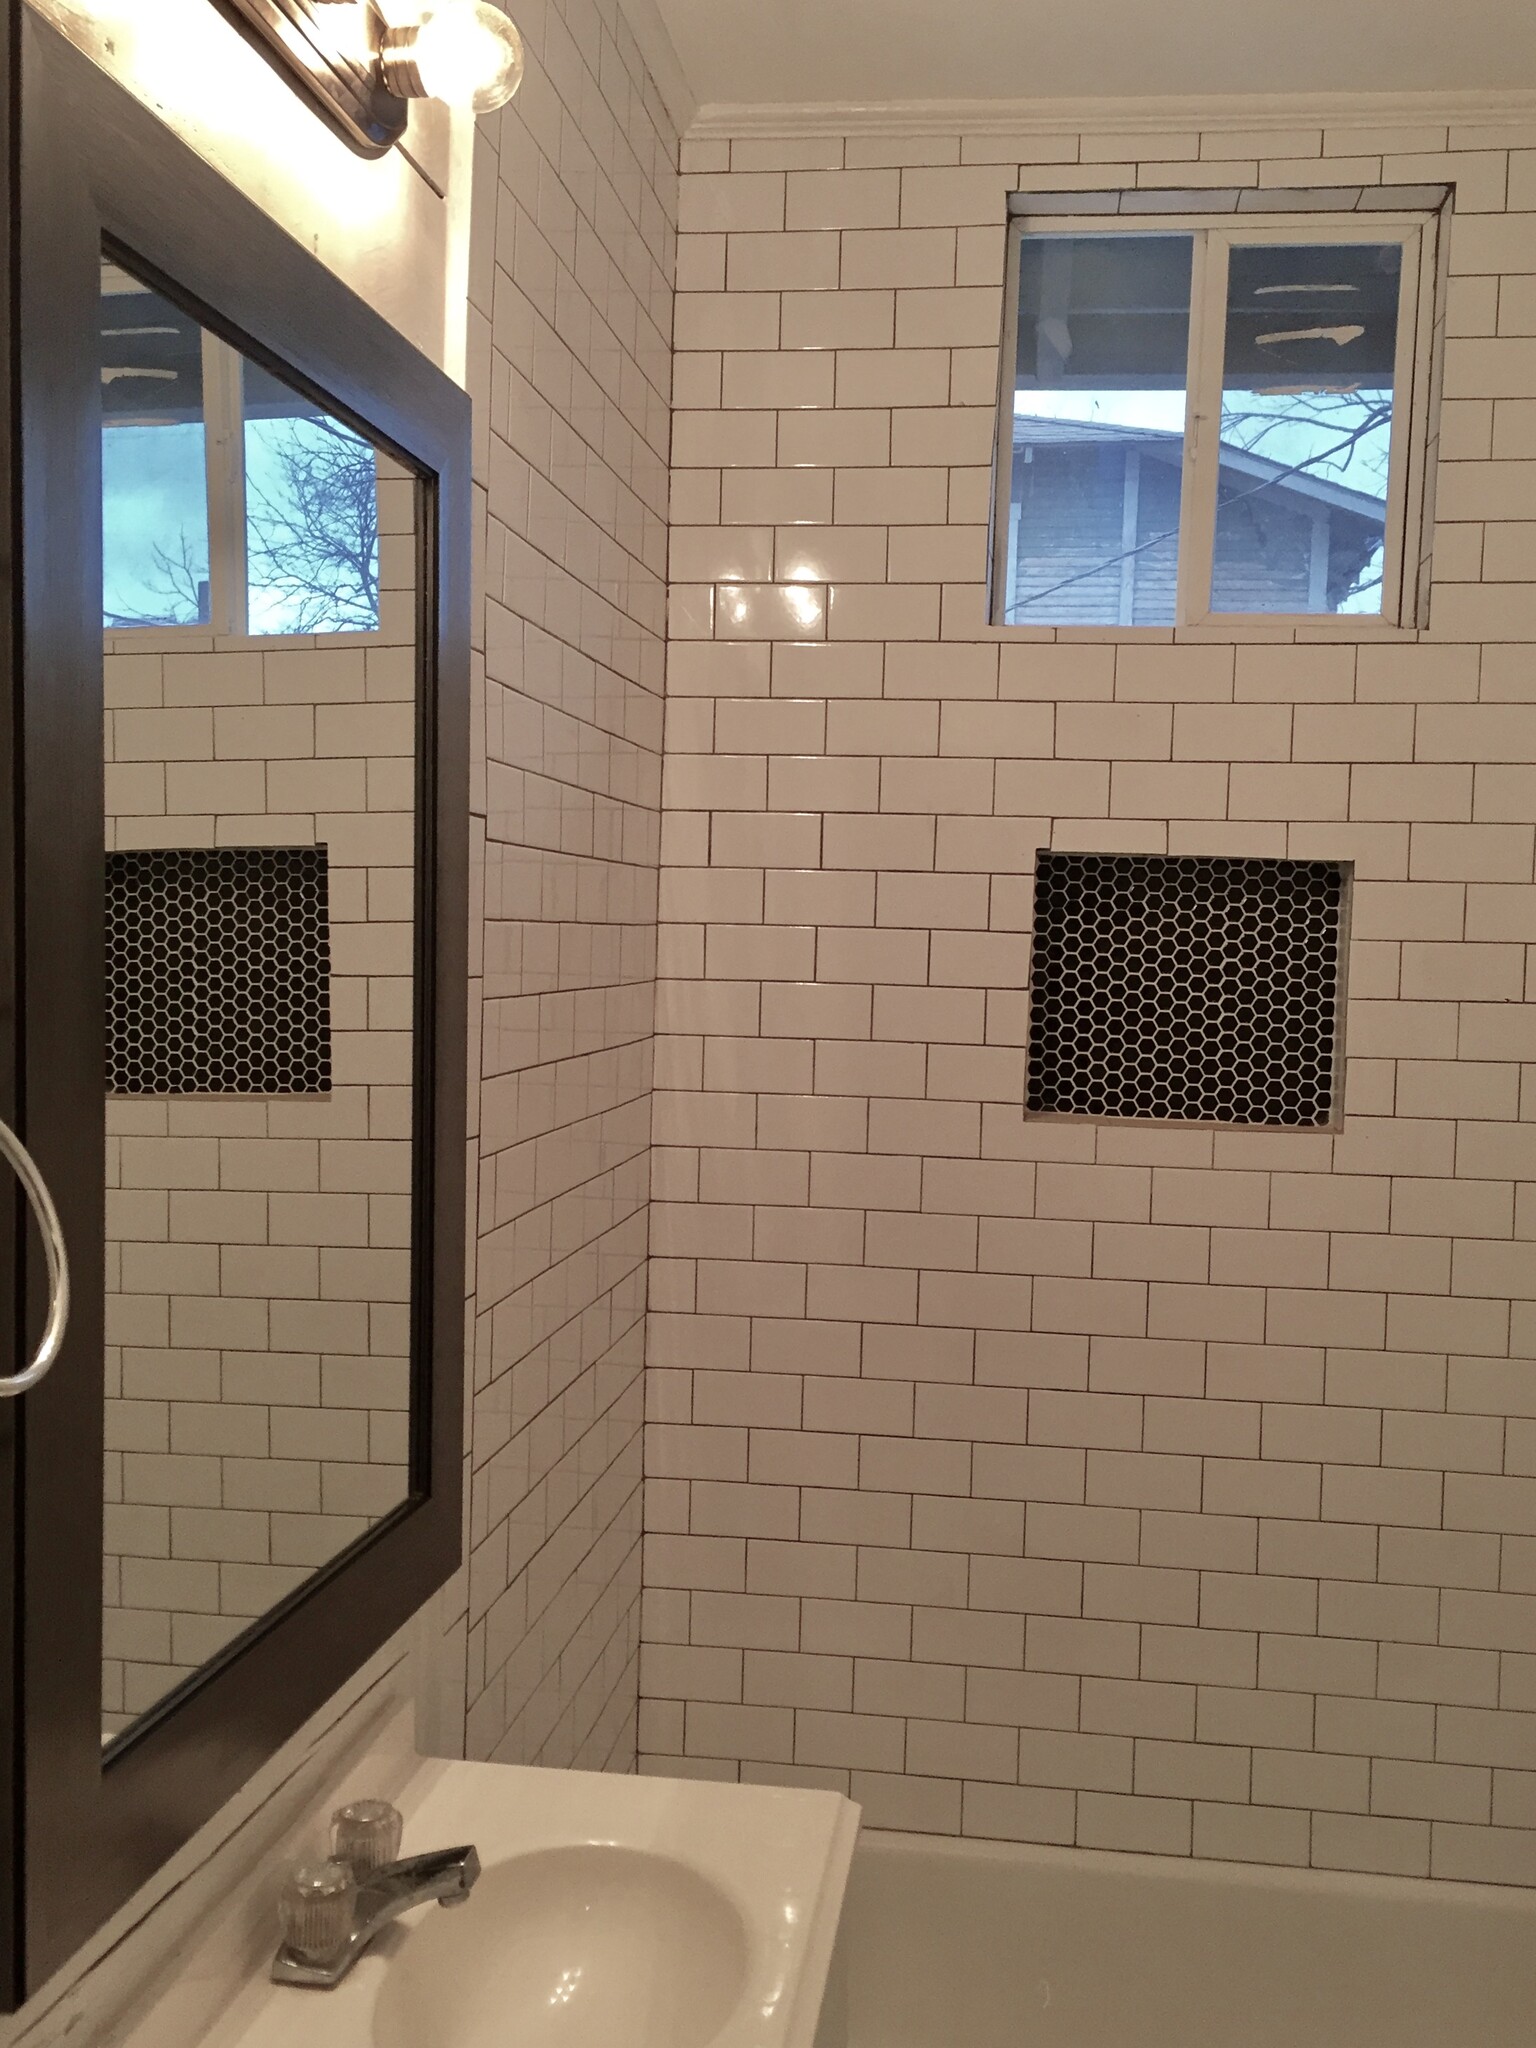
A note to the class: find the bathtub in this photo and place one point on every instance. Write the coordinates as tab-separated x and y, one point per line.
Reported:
976	1945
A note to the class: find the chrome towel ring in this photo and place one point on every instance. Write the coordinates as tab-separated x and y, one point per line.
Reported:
52	1339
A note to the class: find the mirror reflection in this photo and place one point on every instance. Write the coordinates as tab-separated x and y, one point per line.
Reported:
259	611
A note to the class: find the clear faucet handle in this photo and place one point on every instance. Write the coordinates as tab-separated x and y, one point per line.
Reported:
317	1909
366	1835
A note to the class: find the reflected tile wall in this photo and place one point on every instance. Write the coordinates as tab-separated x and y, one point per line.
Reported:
1148	1489
256	1365
570	326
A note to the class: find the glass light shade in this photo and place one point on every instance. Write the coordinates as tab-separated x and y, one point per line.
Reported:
466	52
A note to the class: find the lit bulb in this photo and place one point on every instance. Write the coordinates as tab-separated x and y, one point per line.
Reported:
463	51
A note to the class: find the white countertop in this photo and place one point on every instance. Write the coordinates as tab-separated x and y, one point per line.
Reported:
765	1866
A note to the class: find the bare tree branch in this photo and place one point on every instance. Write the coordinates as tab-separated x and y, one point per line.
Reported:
182	582
313	538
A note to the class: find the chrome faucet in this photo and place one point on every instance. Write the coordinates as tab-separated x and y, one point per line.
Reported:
335	1915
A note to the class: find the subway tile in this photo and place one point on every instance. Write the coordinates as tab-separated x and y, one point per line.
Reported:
1095	1763
1355	1842
1383	754
1243	1833
843	199
1108	1820
1451	1676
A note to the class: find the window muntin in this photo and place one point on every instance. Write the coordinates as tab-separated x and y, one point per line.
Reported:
1262	476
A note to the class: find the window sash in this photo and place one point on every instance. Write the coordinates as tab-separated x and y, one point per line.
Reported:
1213	245
1202	447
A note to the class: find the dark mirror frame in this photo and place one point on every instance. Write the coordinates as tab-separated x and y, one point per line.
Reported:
85	164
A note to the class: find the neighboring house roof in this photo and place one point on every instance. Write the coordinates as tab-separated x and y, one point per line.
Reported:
1168	445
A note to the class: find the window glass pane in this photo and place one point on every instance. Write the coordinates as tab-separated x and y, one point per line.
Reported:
1306	427
1098	430
312	515
154	509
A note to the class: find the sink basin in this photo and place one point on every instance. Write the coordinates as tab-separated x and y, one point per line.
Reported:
612	1912
584	1947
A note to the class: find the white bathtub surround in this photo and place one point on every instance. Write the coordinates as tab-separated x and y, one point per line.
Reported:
993	1945
611	1909
1123	1487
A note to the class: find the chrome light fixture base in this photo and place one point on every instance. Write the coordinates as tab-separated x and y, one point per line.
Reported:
338	71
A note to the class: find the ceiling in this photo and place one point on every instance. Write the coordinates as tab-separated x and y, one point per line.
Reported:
788	52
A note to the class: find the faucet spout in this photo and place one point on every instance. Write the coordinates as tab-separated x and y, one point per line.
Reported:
447	1876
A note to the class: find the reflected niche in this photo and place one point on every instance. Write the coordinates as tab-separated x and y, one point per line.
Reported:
260	618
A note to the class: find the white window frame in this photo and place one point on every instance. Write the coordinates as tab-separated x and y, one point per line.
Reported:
1405	580
224	466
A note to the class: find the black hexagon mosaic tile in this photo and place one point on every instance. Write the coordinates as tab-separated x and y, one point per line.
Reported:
219	971
1185	989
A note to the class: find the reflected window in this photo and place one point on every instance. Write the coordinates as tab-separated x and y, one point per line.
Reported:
231	501
153	459
1205	426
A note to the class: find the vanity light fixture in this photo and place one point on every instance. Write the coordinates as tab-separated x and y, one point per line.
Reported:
362	69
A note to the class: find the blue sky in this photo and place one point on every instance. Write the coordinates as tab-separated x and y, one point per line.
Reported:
153	490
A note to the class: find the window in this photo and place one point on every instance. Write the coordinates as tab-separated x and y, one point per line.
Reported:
230	500
1211	423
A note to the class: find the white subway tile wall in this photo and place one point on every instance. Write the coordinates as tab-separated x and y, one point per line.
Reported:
258	1249
1169	1488
573	245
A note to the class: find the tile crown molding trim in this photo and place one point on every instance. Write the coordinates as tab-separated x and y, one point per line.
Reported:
662	61
1216	114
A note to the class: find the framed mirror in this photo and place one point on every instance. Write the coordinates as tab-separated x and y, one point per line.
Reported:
261	624
235	1039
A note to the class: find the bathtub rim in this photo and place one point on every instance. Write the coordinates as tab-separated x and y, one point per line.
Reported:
1379	1886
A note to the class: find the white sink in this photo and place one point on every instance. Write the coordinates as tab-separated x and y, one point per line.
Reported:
581	1947
611	1913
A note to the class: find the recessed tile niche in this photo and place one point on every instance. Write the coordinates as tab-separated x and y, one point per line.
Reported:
1186	989
218	971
